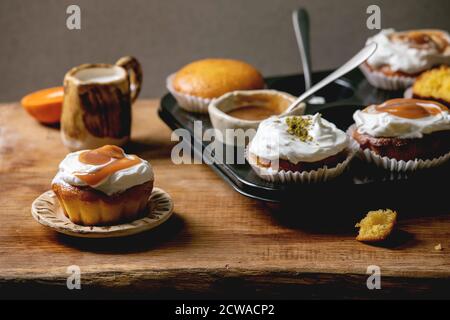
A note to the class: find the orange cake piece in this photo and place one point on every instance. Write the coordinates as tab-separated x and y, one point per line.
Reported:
45	105
376	225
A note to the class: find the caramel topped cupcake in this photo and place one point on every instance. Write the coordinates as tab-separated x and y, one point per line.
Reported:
426	39
404	129
103	186
402	56
196	84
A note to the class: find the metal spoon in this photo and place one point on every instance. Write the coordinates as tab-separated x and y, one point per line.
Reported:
300	20
351	64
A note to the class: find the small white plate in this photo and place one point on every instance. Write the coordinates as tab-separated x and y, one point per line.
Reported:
47	211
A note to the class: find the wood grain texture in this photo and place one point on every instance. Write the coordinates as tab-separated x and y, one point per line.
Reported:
218	243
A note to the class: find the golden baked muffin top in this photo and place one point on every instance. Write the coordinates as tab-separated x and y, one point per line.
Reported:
211	78
434	84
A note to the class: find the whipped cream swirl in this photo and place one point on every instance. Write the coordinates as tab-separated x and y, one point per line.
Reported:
400	55
273	141
383	124
116	182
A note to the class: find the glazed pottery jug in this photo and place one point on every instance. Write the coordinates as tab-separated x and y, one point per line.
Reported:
97	103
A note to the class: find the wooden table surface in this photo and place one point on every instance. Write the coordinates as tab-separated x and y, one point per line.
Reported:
218	243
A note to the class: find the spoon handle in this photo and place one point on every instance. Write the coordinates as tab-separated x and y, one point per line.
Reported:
300	20
351	64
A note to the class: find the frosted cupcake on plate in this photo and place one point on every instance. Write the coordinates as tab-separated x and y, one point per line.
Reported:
195	85
103	186
402	56
299	149
403	134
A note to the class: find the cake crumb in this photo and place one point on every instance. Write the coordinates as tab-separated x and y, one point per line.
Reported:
376	225
438	247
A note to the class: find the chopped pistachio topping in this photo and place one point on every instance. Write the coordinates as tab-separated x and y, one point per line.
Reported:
299	126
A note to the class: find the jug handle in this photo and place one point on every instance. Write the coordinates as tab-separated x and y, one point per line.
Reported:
134	70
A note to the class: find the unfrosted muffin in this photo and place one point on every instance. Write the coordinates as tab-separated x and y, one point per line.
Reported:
197	83
103	186
434	85
402	56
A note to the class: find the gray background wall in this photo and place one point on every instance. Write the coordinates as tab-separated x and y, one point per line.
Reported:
37	49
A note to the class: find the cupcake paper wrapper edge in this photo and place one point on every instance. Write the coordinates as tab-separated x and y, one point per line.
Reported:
398	165
314	176
402	165
188	102
380	80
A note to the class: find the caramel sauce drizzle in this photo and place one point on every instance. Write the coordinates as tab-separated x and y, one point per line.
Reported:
425	39
409	108
112	156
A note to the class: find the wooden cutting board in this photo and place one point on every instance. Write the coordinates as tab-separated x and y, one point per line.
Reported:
218	243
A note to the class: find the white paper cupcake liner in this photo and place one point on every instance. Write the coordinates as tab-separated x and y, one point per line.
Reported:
398	165
314	176
402	165
188	102
382	81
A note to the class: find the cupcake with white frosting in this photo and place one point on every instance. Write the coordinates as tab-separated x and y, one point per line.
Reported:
299	149
403	134
103	186
402	56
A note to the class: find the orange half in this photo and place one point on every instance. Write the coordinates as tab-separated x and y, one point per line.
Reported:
45	105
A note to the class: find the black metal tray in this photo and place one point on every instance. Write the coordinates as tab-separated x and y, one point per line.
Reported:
362	180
